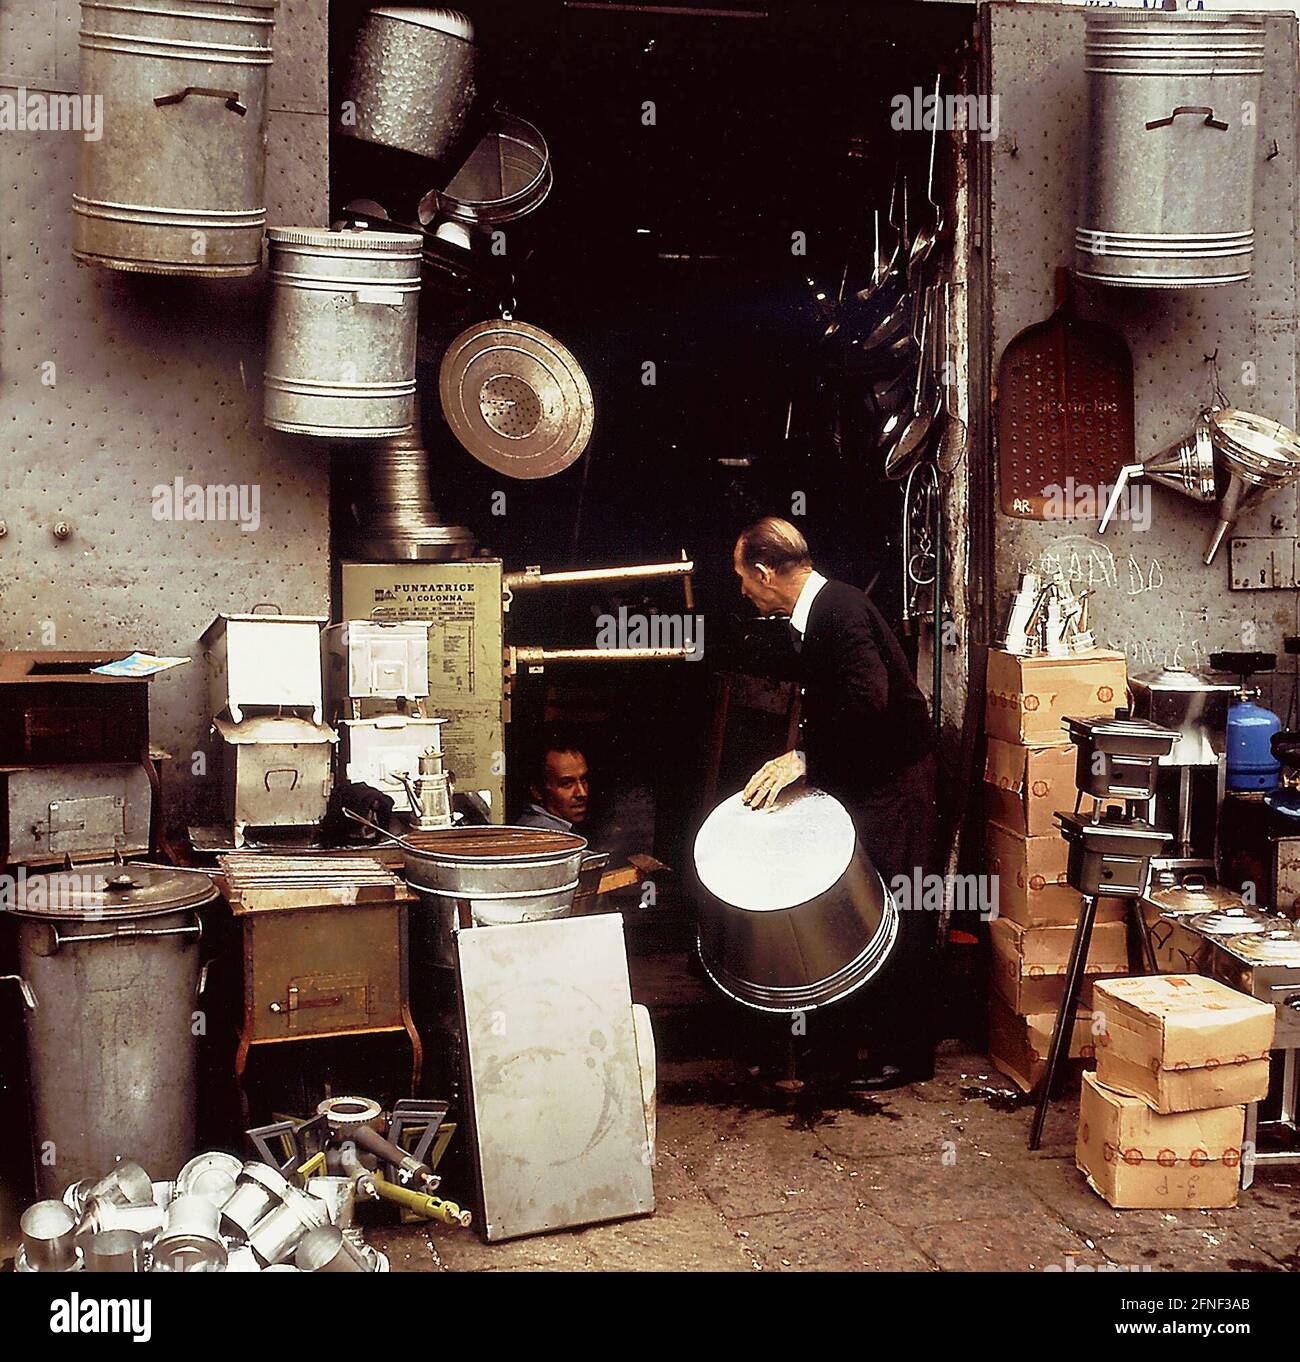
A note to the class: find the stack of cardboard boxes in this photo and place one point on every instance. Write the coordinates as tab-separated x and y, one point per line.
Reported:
1029	775
1161	1120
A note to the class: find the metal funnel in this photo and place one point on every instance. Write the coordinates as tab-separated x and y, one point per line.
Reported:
1259	456
1187	466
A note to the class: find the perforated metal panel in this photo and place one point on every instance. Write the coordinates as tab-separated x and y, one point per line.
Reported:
1153	596
112	386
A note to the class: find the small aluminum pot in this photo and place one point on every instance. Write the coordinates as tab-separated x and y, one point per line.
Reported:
259	1190
277	1235
115	1251
328	1249
49	1239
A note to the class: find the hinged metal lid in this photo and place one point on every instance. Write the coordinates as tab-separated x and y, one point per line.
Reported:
273	728
109	889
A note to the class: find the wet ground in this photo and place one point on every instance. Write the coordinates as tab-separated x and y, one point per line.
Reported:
932	1177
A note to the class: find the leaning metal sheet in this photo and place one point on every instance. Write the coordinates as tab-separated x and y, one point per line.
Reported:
1153	597
559	1126
114	387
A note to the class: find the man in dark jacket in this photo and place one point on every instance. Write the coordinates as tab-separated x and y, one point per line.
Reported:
867	740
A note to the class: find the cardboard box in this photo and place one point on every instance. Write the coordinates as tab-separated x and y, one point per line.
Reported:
1018	1046
1027	698
1033	889
1134	1157
1029	963
1181	1042
1026	785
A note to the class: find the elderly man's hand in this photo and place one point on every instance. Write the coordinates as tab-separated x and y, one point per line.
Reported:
772	777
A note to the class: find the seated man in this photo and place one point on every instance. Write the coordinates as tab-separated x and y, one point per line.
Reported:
557	784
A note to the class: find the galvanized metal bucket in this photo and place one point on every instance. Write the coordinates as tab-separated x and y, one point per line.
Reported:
174	182
1173	126
109	955
412	81
341	336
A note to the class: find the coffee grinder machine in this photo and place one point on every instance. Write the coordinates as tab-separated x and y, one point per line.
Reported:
1118	759
1188	782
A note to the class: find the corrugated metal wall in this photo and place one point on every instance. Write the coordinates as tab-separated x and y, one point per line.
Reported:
1153	596
112	384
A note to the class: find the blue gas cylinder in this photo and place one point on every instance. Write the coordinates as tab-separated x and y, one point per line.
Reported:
1251	763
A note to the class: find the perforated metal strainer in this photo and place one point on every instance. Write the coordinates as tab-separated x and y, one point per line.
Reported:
516	399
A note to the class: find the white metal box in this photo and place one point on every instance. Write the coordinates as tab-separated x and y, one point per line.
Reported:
276	771
264	661
373	751
47	812
378	660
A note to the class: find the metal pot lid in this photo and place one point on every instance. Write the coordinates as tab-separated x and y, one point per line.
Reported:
109	889
1179	680
496	844
516	399
1278	946
1231	922
1194	901
764	860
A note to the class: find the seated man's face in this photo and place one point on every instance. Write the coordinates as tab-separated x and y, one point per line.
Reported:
565	792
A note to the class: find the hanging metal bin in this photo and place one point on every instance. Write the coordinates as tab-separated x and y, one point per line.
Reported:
412	83
109	960
174	183
340	346
1174	110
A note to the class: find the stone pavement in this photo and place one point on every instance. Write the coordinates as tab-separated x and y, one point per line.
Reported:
932	1177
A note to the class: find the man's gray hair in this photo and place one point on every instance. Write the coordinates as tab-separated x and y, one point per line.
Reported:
775	543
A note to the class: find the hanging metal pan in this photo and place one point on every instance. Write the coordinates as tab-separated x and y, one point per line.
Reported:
516	399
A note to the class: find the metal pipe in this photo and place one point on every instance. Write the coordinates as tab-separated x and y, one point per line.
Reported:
431	1207
528	656
521	581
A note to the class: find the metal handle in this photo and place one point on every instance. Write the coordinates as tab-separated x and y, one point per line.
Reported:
23	987
1210	120
409	785
386	297
58	941
281	771
266	605
230	97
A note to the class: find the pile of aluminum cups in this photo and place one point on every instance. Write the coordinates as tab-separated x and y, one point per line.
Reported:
219	1215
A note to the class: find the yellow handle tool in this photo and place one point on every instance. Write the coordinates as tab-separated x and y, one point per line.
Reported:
430	1207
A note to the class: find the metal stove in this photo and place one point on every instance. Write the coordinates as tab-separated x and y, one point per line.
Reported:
1266	964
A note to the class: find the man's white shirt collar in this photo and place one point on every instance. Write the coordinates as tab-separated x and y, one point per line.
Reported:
799	615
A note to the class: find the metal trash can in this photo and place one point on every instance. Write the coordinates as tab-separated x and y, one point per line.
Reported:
340	345
109	961
1173	105
175	182
412	83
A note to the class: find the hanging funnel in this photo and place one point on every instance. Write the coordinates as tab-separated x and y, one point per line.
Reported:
1259	456
1187	466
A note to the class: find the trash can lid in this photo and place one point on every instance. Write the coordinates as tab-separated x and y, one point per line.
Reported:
107	889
